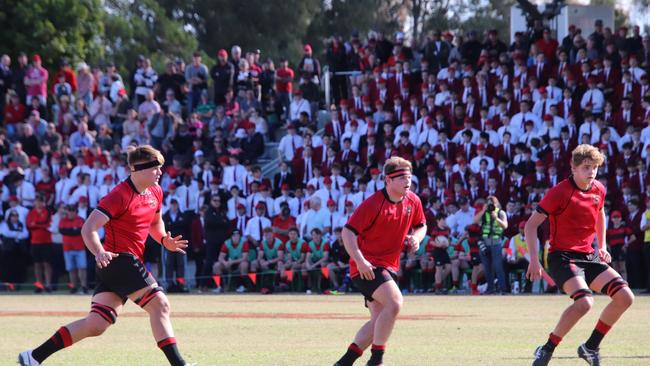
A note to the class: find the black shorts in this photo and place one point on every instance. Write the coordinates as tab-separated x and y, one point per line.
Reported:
563	266
41	253
152	251
441	256
475	259
617	253
124	275
367	288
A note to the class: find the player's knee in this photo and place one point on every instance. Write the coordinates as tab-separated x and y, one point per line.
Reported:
161	305
624	298
95	325
393	307
583	305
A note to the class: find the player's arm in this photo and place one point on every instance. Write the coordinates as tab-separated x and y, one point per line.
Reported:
413	241
95	221
534	267
600	235
157	232
352	246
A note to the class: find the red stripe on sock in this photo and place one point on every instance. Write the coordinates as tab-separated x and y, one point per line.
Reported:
356	349
602	327
554	339
166	342
379	347
65	336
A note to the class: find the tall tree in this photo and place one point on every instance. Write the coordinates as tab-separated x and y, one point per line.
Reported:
52	28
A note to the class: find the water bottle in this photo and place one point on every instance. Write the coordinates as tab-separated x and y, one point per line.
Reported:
515	287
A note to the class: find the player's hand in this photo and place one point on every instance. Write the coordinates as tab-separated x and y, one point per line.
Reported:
412	244
366	270
604	255
534	272
174	244
103	258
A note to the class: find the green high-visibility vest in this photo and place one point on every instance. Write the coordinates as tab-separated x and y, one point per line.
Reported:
294	254
235	253
271	252
316	252
491	229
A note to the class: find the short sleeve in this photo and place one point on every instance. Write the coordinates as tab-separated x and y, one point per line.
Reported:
159	196
113	204
224	249
419	220
552	201
327	248
246	248
361	217
305	248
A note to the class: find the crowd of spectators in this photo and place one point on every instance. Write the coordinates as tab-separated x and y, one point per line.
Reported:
477	117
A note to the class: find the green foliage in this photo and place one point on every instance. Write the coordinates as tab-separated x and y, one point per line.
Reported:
52	28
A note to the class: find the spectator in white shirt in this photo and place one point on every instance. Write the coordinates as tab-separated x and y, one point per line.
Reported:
289	143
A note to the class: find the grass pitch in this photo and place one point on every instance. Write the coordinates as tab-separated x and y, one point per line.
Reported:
301	330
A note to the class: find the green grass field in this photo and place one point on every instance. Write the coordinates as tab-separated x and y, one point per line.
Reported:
303	330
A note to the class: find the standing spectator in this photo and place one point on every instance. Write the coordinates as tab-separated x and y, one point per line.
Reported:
309	66
6	77
100	110
14	113
170	79
19	76
196	75
160	127
13	248
148	107
493	221
223	74
176	224
74	250
336	59
283	85
217	226
38	223
145	78
85	83
66	71
36	81
619	236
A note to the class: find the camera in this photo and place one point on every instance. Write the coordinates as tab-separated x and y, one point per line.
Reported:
490	207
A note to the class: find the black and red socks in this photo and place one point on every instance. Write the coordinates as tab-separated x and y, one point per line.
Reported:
60	340
552	342
168	346
376	355
351	355
593	343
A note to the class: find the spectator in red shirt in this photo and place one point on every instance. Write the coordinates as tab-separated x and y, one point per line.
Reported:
74	250
283	222
619	236
38	223
283	84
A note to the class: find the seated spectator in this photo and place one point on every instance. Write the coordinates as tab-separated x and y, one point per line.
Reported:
233	261
269	259
316	259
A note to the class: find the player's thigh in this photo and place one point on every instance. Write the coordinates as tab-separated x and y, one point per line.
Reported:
574	284
375	308
388	295
603	279
109	299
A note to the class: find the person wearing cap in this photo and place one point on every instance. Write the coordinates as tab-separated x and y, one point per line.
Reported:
284	76
493	222
373	267
222	74
619	236
133	217
309	64
255	226
593	97
297	106
36	81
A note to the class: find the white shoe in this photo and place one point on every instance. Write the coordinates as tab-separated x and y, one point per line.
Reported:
25	359
217	290
241	289
308	292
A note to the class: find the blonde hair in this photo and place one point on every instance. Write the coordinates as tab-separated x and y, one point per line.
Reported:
143	154
586	152
396	163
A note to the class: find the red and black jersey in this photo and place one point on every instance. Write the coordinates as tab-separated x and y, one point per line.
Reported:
616	236
381	226
130	214
573	214
437	231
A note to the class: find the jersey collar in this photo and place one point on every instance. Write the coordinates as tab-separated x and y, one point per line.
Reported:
130	182
573	182
387	197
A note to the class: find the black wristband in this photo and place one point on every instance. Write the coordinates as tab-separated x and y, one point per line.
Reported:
162	240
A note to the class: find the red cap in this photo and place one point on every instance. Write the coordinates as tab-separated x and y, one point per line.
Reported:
121	92
343	102
172	186
36	58
539	163
241	205
374	171
542	90
260	205
13	197
297	92
222	53
548	117
330	202
33	160
307	48
354	123
327	180
284	187
365	99
347	185
83	199
349	204
616	213
522	224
